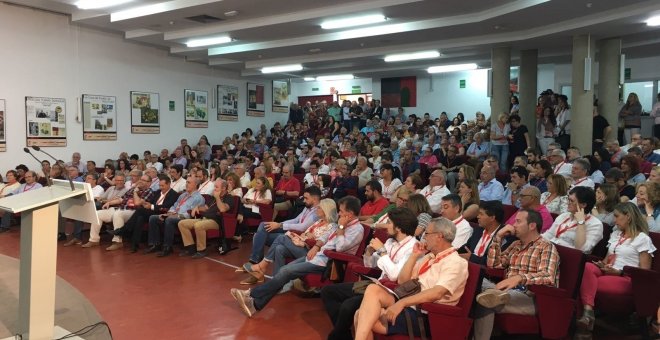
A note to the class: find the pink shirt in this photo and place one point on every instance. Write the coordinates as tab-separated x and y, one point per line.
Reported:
545	215
429	160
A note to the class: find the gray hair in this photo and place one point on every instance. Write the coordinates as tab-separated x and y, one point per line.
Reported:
559	152
584	164
222	182
444	226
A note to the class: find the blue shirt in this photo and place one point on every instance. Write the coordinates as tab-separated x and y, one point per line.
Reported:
491	191
303	221
347	243
187	202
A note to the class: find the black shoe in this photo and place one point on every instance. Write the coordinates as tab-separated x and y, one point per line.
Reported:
187	251
134	249
225	247
152	249
167	251
4	230
199	254
61	236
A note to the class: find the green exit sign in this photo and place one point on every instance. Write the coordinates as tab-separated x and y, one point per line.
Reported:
315	88
461	83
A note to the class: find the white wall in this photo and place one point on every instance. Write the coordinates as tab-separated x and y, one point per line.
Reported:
320	88
44	55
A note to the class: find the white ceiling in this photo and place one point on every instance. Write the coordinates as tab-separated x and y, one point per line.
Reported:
270	33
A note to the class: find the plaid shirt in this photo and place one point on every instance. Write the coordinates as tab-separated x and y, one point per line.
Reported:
128	196
537	263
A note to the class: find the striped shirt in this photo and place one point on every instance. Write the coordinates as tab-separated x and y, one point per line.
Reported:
537	262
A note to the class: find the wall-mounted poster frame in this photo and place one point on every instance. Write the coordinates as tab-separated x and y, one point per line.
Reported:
99	117
227	103
255	100
145	112
45	121
3	133
281	92
197	108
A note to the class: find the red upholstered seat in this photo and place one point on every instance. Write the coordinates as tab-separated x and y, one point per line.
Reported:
645	283
509	210
266	212
228	220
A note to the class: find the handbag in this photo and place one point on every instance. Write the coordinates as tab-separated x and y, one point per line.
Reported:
410	287
359	287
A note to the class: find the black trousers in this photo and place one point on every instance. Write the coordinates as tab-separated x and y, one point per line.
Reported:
135	223
341	304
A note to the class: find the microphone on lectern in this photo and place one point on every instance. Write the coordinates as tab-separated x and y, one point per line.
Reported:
58	162
26	150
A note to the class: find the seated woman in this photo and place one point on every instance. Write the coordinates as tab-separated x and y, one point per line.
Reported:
630	168
106	179
648	202
294	246
537	178
654	176
629	245
234	185
607	196
442	275
603	157
555	199
387	182
261	193
413	183
469	192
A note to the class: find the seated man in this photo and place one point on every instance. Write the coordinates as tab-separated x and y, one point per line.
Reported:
530	198
442	274
212	220
490	189
491	218
188	200
362	171
342	182
313	177
577	228
287	187
178	183
452	206
436	190
514	188
206	187
97	191
580	174
345	239
531	260
339	299
30	184
375	201
267	232
118	211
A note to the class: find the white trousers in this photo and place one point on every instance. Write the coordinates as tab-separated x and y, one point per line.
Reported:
116	216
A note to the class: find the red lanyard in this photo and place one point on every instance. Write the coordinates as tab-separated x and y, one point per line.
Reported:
484	187
427	265
382	219
620	242
162	197
431	191
561	230
548	200
458	221
204	186
580	181
393	255
302	219
559	167
181	203
485	239
352	223
26	188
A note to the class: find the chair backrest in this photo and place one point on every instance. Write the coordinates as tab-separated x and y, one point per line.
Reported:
365	239
474	225
208	199
266	211
234	209
600	249
300	178
571	267
381	234
245	190
472	286
554	216
655	264
509	210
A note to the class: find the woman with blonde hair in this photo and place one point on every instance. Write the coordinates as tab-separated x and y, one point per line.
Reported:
629	245
234	185
292	245
556	199
499	143
648	202
469	192
420	208
607	197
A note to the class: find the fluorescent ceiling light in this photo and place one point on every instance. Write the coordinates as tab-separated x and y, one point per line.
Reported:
452	68
654	21
648	85
335	77
283	68
94	4
309	79
355	21
208	41
412	56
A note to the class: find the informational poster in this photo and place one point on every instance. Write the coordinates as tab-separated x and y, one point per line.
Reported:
228	103
3	138
99	117
255	100
145	112
46	121
197	109
281	96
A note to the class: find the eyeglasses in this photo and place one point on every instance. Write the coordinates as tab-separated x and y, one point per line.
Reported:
526	195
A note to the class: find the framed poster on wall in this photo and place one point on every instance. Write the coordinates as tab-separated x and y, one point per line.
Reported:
99	117
46	121
197	109
3	138
281	91
255	100
145	112
227	103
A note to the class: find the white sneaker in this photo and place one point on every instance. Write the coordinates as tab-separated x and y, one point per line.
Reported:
245	301
492	298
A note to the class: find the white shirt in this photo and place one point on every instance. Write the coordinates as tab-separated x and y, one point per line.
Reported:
463	232
627	253
310	179
179	185
206	188
563	231
97	191
434	196
389	190
324	169
245	180
563	169
392	262
583	182
157	165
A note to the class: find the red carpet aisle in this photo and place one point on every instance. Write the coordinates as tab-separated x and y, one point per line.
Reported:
144	297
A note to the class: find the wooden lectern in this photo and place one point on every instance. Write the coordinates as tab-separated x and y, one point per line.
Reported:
39	219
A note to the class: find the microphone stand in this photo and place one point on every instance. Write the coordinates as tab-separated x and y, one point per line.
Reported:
48	181
60	163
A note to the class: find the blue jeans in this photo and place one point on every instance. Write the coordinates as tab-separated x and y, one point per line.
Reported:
6	220
261	239
171	225
294	270
281	249
502	153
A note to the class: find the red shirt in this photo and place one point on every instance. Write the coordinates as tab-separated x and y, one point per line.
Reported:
373	208
293	184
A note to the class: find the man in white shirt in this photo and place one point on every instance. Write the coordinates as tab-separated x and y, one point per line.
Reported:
362	171
178	183
154	163
490	189
577	228
580	174
452	206
154	185
206	187
559	165
635	140
435	190
75	161
243	175
312	177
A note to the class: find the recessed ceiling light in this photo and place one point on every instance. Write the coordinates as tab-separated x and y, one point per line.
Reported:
231	13
314	50
648	85
208	41
654	21
94	4
335	77
354	21
412	56
309	79
283	68
452	68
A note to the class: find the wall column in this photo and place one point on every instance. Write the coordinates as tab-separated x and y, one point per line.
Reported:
528	91
501	65
582	101
609	66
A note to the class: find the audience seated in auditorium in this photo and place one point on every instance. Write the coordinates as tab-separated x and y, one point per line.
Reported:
491	218
451	210
556	198
436	190
490	189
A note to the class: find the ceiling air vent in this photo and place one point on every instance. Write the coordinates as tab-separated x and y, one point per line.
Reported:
204	19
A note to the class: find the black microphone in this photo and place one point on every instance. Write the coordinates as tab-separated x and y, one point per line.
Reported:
37	159
58	162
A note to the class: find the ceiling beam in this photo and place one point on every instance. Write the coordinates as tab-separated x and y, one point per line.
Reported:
157	8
